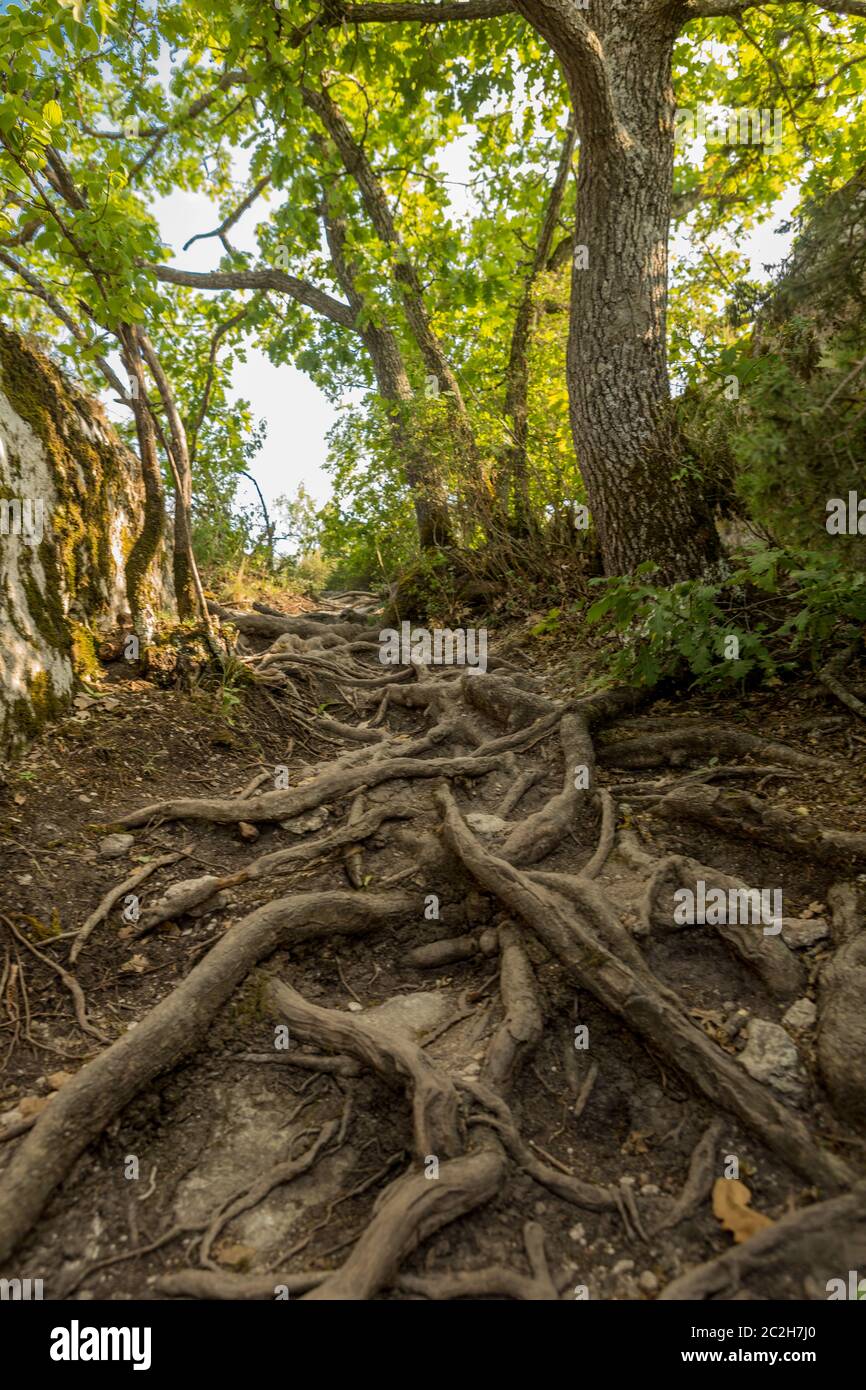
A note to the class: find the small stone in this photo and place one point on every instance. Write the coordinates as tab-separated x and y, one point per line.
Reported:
354	1007
214	904
115	846
247	831
622	1267
649	1189
486	825
799	932
801	1015
136	965
577	1233
489	941
771	1057
648	1283
303	825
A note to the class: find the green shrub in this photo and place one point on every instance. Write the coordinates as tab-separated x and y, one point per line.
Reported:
779	610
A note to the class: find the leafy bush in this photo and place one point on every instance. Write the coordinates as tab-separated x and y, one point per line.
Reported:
778	610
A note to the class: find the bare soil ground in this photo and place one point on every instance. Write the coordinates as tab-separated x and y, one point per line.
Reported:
509	1072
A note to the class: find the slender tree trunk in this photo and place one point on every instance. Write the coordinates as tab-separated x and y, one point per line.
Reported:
187	582
269	525
517	372
617	58
392	379
408	283
146	544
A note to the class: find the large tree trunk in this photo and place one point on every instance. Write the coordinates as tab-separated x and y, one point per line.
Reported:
617	59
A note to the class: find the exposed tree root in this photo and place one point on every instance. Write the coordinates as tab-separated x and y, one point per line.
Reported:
829	678
494	1281
832	1233
523	1024
764	953
749	818
252	1193
99	1091
536	836
701	1175
434	1100
128	885
673	747
210	1283
330	786
466	1137
409	1211
652	1013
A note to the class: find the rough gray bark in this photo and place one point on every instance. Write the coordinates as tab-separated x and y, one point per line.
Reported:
617	60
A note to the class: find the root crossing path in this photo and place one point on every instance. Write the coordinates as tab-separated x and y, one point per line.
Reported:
446	1031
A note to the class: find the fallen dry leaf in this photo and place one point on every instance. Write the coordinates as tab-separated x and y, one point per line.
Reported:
136	965
235	1256
59	1078
32	1105
731	1200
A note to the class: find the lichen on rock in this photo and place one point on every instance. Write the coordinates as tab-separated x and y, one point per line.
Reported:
70	502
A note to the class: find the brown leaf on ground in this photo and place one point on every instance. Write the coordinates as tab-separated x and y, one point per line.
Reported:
234	1256
136	965
32	1105
56	1079
731	1200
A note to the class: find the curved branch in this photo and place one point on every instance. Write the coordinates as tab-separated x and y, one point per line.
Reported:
732	9
233	217
318	300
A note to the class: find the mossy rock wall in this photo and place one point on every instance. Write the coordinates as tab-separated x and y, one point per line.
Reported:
71	505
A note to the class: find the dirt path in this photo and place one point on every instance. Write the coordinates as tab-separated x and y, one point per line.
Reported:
386	991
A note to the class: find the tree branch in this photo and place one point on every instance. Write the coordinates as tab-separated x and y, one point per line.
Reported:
57	309
581	54
732	9
233	217
405	274
234	77
318	300
451	11
194	429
